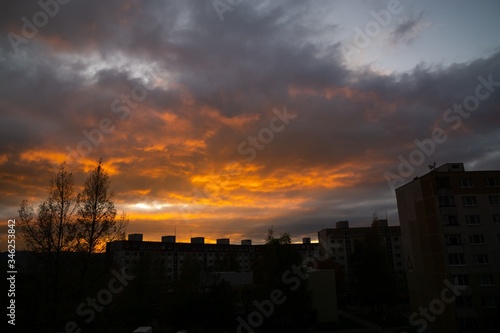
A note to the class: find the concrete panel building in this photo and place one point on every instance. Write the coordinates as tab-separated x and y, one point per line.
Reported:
340	243
167	257
450	226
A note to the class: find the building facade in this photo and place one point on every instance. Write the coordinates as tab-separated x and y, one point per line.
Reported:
450	225
166	258
340	243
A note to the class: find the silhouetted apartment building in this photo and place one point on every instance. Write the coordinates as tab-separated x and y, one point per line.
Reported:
450	224
166	258
340	243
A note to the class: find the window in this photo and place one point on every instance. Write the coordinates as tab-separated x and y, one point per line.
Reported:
452	220
341	258
469	201
494	200
490	301
442	182
496	218
453	239
445	201
476	239
465	182
493	181
481	258
396	247
461	280
455	259
396	239
469	324
464	302
485	280
472	219
398	255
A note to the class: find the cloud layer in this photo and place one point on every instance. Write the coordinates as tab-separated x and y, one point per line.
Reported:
172	149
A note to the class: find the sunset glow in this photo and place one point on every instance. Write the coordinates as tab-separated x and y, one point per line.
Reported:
226	128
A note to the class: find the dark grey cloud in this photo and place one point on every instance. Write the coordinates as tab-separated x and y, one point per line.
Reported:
409	29
218	83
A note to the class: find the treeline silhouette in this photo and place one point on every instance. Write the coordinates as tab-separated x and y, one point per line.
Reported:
65	236
65	283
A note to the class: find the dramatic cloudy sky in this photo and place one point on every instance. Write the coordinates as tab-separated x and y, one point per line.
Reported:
332	100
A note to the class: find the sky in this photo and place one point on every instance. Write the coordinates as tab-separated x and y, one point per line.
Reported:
225	118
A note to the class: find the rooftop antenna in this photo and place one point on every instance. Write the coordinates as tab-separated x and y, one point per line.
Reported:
432	166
